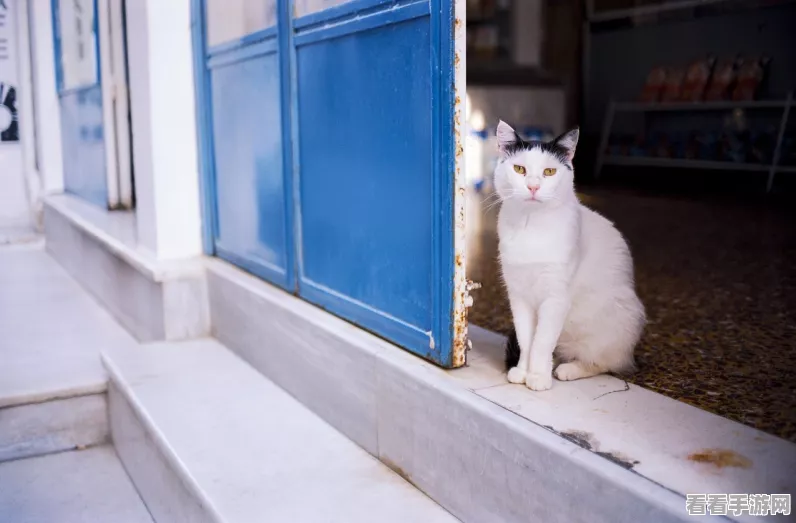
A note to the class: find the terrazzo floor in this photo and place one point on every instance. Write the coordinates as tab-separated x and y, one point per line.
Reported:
718	280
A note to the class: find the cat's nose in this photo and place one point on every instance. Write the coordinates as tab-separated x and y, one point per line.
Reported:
533	189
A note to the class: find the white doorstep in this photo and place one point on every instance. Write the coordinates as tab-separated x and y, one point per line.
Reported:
88	486
238	448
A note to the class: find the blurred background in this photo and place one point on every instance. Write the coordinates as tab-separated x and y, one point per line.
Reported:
688	144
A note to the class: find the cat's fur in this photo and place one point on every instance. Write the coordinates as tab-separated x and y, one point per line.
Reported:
568	271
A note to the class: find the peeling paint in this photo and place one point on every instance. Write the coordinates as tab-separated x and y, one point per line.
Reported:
431	344
461	287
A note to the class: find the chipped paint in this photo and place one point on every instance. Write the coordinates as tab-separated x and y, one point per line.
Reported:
431	343
461	288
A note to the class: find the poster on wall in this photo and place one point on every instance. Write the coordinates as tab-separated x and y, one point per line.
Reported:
78	43
9	123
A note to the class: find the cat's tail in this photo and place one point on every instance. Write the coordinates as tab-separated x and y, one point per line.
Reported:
512	350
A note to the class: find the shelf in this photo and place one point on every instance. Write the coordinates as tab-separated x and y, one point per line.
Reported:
698	106
692	164
783	107
646	10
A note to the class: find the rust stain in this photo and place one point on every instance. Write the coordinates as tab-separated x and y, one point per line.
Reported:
720	458
461	298
398	470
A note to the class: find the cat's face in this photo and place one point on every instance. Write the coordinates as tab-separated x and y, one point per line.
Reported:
534	173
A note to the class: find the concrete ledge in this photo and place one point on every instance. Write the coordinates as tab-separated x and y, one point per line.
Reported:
153	300
53	426
477	459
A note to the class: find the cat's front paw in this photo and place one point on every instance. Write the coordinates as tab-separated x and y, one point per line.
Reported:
517	375
536	381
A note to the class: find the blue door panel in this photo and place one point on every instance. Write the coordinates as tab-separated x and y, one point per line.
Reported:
365	143
326	160
83	145
250	191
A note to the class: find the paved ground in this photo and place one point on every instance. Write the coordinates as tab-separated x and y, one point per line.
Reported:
52	330
80	486
719	283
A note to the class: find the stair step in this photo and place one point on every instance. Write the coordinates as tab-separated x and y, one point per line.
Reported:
52	384
205	437
69	487
53	332
53	426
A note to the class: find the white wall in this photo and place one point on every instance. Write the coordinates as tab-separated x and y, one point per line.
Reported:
14	207
520	106
164	127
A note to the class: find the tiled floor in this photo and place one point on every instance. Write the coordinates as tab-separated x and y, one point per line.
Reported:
719	284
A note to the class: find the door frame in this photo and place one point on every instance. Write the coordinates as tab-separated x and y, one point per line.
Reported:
115	102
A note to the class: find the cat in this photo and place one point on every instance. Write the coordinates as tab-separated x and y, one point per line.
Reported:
568	271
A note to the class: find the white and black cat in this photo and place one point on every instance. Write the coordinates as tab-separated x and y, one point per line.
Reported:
568	271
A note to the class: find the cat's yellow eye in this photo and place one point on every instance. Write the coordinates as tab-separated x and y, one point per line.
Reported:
519	169
549	172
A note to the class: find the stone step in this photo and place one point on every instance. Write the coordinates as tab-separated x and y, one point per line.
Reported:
52	384
205	437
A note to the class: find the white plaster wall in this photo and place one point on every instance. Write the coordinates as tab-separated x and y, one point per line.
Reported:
14	208
520	106
164	127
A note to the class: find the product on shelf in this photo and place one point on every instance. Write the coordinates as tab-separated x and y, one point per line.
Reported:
660	146
735	137
762	146
691	146
722	81
653	87
679	144
696	80
639	146
707	146
673	85
751	72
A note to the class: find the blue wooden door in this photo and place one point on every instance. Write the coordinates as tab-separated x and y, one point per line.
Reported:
330	160
75	24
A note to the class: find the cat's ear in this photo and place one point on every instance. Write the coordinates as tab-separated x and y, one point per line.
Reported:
507	138
568	141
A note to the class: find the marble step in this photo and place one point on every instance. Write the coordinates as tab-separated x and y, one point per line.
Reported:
52	384
205	437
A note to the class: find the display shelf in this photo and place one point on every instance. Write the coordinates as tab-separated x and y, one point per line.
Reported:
784	106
